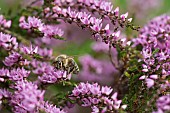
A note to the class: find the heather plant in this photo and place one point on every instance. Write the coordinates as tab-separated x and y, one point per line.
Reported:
120	74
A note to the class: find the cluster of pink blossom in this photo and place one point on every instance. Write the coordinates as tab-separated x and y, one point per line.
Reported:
104	8
35	24
154	39
5	23
97	97
14	74
21	94
85	19
8	42
163	104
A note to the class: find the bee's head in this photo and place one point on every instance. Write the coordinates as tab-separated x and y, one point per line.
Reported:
54	63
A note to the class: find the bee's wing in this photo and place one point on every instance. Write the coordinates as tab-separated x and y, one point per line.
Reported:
72	66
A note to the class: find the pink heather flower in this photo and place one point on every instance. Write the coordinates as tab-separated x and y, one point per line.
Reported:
145	68
8	42
4	94
116	12
41	67
95	89
130	20
57	9
24	62
146	52
47	10
93	95
12	59
114	96
84	17
117	104
45	52
96	27
107	29
154	76
116	36
163	104
72	14
32	22
22	19
106	6
51	31
2	19
29	50
124	16
94	100
149	82
106	90
3	74
154	37
142	77
83	88
94	20
54	77
8	24
18	74
27	96
50	108
95	109
86	102
5	23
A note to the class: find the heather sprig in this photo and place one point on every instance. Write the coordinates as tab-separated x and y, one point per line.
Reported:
104	8
36	25
155	42
100	99
86	20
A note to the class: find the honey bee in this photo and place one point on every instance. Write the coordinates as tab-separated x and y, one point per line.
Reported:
66	63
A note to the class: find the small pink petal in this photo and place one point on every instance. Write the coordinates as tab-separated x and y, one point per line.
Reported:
142	77
130	20
36	49
149	82
8	24
145	70
114	96
153	76
124	106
